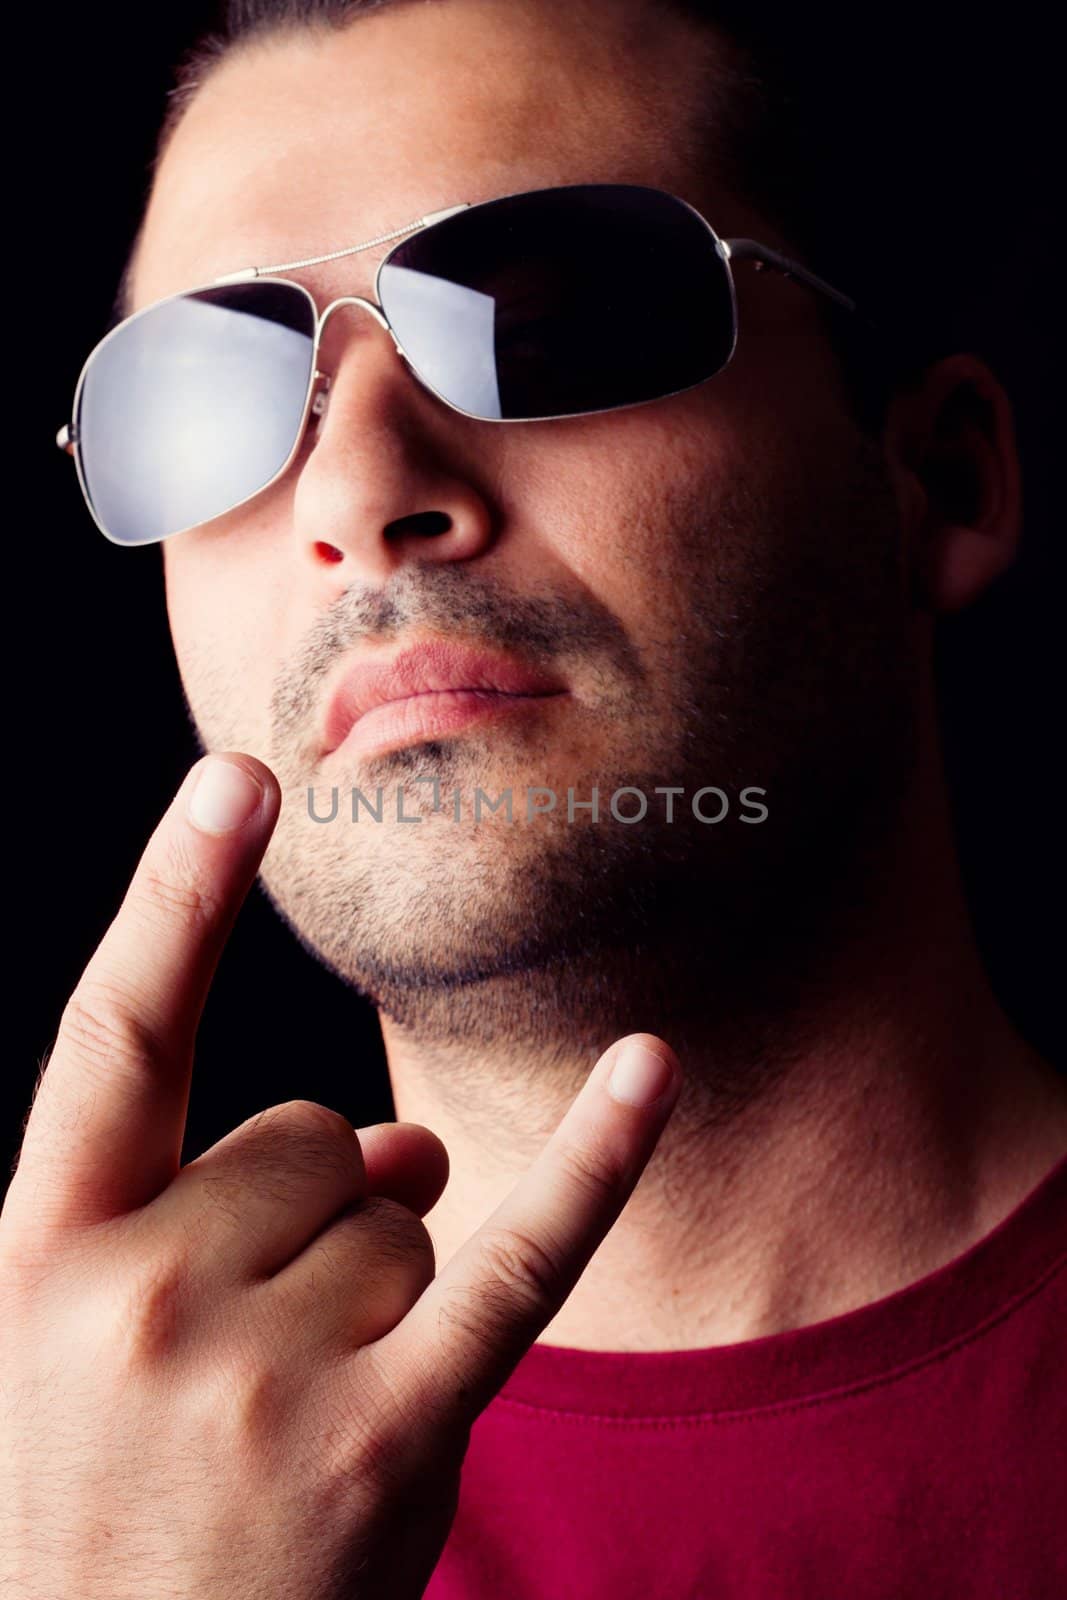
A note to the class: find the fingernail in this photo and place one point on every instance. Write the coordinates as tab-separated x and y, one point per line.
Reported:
639	1075
224	796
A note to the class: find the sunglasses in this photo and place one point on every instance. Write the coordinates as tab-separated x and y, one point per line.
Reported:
555	303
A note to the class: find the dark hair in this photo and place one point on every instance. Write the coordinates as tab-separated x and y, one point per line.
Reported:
867	143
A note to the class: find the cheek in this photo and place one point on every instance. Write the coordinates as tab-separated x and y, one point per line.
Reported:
205	626
638	505
225	645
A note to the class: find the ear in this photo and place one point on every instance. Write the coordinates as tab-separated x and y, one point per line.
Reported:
950	447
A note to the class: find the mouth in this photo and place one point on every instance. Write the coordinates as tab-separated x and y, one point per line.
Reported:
431	715
429	690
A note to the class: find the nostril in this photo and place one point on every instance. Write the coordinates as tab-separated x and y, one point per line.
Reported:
327	552
427	524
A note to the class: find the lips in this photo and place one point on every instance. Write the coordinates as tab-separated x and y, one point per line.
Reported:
435	667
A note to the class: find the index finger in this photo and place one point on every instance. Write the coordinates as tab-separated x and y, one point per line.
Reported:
464	1335
105	1130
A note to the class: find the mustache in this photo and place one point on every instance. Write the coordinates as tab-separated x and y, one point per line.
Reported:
450	598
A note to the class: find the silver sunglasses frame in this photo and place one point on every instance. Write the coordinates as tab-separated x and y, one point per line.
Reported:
729	250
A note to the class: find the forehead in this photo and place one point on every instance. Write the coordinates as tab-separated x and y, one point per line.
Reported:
301	143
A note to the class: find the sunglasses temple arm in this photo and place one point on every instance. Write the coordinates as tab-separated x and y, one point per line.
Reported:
764	256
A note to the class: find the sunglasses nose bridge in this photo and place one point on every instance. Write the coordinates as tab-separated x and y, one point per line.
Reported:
354	300
323	379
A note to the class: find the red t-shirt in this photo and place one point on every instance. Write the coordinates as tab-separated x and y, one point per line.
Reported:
914	1449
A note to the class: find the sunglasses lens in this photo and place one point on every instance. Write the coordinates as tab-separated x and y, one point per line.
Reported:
192	406
561	302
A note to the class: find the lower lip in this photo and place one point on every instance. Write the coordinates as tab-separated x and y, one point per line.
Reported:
433	715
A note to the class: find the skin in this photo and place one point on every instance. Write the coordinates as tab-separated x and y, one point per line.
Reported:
243	1376
738	587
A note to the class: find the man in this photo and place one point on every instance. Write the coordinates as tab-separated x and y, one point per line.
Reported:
817	1354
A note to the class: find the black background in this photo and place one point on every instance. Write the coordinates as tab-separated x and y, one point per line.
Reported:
98	734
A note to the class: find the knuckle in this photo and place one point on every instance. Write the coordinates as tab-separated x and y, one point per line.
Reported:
400	1237
234	1403
241	1397
319	1141
591	1171
287	1147
309	1119
147	1312
521	1265
102	1025
177	889
519	1283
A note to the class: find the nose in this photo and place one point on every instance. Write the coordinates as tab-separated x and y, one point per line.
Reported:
383	478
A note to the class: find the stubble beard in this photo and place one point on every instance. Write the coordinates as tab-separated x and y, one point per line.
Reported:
795	674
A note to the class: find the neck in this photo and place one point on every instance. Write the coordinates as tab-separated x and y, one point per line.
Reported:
850	1121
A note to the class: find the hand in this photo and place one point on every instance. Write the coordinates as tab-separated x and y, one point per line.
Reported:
241	1379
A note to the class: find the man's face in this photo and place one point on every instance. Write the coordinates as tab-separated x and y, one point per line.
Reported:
712	579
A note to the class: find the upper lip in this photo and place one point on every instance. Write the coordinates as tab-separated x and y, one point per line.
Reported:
421	668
